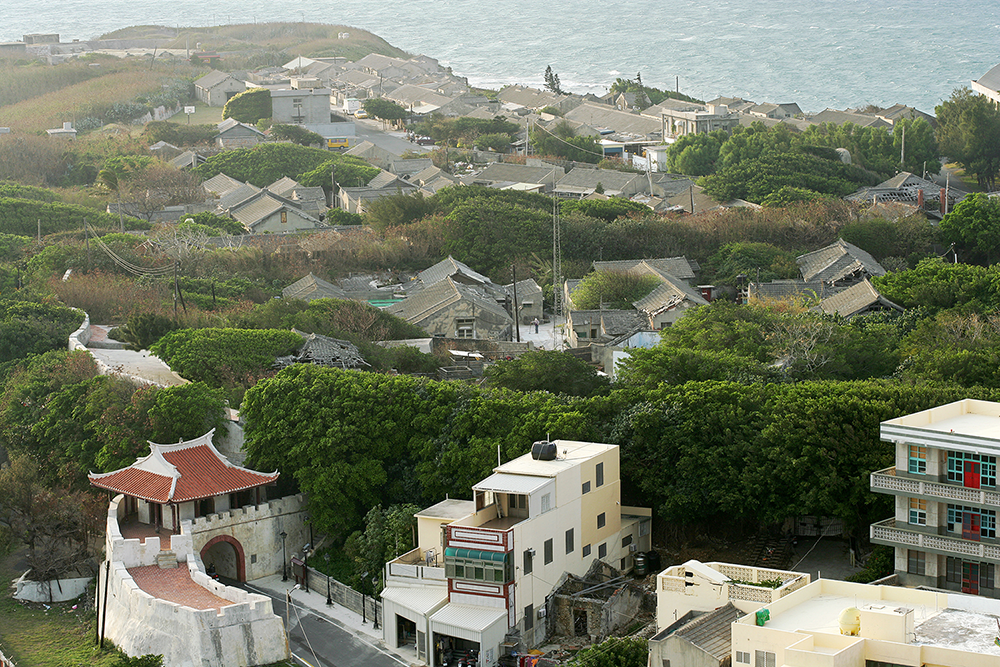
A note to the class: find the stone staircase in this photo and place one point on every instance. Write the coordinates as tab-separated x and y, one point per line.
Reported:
166	560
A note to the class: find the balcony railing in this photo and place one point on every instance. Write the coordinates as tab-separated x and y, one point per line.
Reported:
414	565
890	533
886	481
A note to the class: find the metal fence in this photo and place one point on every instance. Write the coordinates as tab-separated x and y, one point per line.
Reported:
5	661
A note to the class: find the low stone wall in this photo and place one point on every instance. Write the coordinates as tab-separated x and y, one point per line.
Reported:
344	595
78	339
245	633
56	590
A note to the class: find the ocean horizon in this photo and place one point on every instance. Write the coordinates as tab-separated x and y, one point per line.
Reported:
818	53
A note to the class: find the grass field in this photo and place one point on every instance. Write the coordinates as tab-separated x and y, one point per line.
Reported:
203	115
57	637
77	100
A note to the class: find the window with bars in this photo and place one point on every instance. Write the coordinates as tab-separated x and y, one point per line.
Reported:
586	550
602	550
743	657
916	562
600	475
918	460
918	511
764	659
569	541
601	520
548	551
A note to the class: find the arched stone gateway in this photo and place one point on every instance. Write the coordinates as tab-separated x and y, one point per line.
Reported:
240	565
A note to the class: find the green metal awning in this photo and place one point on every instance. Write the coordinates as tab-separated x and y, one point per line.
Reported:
493	556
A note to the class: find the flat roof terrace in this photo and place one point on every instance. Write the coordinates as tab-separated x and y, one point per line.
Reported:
946	620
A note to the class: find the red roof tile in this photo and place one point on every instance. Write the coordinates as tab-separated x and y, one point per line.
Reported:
181	472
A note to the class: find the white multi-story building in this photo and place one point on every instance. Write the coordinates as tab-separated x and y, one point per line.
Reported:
487	566
944	530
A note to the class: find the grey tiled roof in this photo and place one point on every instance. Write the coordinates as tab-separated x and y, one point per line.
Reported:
854	300
283	186
610	180
449	267
311	287
668	294
679	267
838	261
234	197
792	289
426	302
604	116
712	632
221	184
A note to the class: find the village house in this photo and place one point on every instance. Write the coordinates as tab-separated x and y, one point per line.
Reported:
218	87
857	299
486	568
385	184
838	264
234	134
451	309
679	118
989	85
311	287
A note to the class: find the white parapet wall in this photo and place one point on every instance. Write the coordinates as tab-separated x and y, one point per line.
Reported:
244	633
134	552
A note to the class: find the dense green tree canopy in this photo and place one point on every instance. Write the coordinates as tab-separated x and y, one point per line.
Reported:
974	227
695	154
249	106
382	109
968	132
545	370
608	210
615	290
561	140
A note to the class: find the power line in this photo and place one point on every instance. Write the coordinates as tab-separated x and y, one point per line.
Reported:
129	266
558	138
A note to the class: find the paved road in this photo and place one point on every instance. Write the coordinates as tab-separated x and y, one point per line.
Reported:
317	641
371	130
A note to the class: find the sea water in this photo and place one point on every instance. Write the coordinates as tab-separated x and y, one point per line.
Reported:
818	53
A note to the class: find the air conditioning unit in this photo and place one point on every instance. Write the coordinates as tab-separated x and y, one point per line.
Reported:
541	612
632	548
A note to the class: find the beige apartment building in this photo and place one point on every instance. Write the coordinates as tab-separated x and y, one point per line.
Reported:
944	482
483	571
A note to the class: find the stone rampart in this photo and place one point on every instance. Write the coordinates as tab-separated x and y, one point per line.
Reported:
257	529
244	633
247	632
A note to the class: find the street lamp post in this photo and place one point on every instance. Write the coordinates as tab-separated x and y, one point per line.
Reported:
284	561
305	568
329	601
375	600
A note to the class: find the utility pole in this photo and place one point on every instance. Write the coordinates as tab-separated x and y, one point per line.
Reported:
517	322
902	150
86	236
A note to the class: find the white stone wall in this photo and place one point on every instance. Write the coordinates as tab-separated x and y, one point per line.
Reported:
57	590
245	633
257	529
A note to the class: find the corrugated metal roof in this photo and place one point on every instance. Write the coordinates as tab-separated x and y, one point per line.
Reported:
463	620
507	483
421	599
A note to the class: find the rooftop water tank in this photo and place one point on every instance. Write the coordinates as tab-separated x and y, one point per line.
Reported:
543	450
850	622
